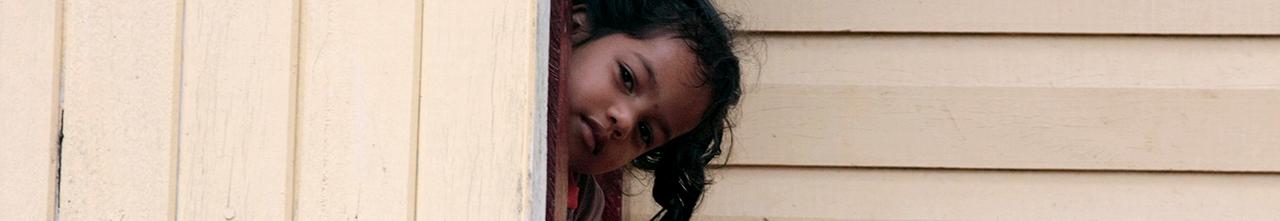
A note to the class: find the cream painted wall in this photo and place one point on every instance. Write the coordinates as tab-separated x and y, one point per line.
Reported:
1003	110
270	110
857	110
29	110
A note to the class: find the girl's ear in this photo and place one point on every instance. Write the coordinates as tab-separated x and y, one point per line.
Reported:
579	25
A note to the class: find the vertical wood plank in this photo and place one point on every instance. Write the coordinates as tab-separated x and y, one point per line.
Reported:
120	91
29	42
237	106
478	100
357	109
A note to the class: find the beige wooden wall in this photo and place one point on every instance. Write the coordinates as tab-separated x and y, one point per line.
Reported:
270	110
1004	110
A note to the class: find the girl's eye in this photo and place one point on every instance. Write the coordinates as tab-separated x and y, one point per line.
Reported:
628	78
646	133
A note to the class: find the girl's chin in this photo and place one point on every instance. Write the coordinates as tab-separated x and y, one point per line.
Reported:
595	168
586	170
586	167
580	161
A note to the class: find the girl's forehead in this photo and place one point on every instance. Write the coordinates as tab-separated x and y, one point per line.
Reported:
668	54
677	81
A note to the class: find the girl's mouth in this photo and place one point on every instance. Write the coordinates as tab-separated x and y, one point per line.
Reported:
591	135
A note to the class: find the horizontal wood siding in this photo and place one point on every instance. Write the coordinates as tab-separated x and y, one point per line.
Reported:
1188	17
1014	102
1001	110
896	194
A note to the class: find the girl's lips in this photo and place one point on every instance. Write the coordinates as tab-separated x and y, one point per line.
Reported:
591	134
588	136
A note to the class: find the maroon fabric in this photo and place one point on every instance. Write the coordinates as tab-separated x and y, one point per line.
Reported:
558	54
611	184
557	176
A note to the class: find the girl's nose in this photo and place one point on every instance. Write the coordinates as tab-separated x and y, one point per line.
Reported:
622	120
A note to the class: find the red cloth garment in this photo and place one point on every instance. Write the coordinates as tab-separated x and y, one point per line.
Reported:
586	200
573	196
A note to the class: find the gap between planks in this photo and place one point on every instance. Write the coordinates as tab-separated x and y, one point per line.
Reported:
959	33
981	169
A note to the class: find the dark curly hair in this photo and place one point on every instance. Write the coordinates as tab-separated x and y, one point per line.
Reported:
679	166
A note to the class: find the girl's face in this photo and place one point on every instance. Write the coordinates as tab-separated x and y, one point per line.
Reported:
628	96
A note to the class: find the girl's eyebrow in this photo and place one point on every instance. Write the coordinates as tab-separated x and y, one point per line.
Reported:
648	69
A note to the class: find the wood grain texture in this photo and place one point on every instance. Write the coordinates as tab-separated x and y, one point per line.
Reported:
478	101
356	110
121	90
237	102
29	52
858	194
1124	103
1192	17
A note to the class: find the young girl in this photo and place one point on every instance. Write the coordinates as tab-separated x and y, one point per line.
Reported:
650	82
